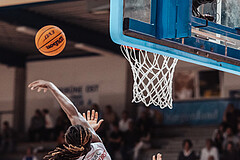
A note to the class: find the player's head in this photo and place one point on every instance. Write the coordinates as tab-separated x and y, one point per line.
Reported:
78	140
78	136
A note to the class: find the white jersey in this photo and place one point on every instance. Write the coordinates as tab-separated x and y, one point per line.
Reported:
98	152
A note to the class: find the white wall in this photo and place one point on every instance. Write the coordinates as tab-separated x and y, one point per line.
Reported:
230	82
6	91
107	71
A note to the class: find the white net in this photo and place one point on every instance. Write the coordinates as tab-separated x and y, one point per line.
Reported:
152	75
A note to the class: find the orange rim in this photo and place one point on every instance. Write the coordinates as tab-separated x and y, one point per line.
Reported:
132	48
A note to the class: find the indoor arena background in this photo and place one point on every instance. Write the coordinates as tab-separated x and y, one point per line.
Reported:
92	72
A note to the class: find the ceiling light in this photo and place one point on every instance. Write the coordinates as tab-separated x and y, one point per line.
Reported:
94	49
26	30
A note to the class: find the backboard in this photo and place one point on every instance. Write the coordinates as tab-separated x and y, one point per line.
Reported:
168	27
7	3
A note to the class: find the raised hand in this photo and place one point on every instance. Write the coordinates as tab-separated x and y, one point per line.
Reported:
39	85
93	119
159	157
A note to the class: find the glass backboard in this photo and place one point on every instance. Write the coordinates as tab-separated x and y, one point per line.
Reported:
168	27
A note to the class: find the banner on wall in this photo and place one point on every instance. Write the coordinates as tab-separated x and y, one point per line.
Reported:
195	113
82	95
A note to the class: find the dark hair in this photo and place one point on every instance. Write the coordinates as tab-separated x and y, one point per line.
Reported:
187	141
210	141
38	112
5	123
109	107
231	143
78	139
45	111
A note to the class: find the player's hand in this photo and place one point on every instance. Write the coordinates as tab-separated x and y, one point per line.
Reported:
159	157
39	85
93	119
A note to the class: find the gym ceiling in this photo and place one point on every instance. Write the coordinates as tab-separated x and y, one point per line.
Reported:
84	22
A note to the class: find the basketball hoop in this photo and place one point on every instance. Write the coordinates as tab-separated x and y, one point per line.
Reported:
152	75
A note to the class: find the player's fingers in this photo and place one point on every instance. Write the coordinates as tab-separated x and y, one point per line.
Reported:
39	89
96	116
45	90
84	115
33	88
159	156
33	83
153	157
93	114
100	122
88	115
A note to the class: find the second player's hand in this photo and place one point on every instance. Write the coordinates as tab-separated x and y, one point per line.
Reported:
159	157
40	85
93	119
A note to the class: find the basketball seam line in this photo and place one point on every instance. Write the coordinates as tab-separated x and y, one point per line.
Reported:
55	49
43	33
50	40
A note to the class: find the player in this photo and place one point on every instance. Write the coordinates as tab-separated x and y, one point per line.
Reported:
82	141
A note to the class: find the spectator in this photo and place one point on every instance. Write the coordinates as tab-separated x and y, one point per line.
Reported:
62	123
230	138
218	141
187	153
230	153
29	155
220	130
144	120
209	150
110	117
238	130
124	122
158	118
129	141
114	141
7	142
36	127
144	126
230	116
49	127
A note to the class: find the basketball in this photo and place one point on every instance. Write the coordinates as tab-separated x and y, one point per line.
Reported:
50	40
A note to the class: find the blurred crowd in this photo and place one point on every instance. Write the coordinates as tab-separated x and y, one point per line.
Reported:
123	136
225	141
42	127
7	139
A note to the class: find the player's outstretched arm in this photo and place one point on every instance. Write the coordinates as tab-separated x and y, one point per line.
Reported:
74	116
159	157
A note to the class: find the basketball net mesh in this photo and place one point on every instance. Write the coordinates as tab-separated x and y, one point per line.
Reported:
152	75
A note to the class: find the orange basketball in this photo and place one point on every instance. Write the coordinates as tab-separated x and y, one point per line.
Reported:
50	40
